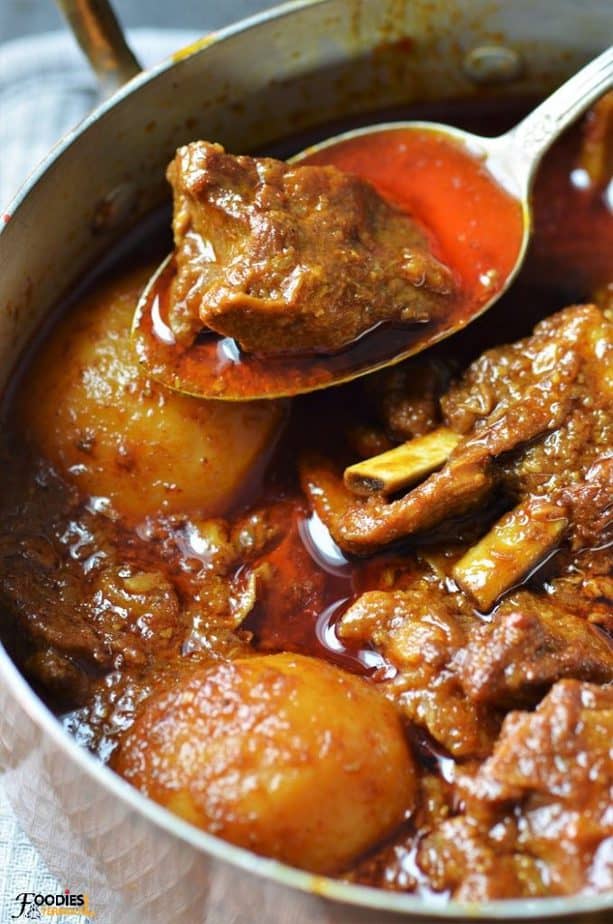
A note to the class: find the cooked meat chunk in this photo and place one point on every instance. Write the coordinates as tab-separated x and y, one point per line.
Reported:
292	258
536	420
361	526
87	599
539	808
419	630
407	397
87	627
454	673
555	751
87	612
529	644
584	586
461	858
554	768
547	400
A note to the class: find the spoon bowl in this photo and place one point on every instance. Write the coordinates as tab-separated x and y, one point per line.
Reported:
488	257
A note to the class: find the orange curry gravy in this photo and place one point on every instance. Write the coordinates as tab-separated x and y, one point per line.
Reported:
570	257
474	227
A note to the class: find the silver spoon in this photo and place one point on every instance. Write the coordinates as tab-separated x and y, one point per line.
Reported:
217	370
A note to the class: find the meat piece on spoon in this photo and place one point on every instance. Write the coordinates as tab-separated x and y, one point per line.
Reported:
287	258
305	274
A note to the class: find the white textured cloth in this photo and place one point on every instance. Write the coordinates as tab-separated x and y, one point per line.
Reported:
46	88
21	868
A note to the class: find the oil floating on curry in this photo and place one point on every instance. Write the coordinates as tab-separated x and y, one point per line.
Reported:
368	631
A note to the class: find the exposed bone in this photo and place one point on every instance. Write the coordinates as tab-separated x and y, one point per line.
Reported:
402	466
362	525
511	549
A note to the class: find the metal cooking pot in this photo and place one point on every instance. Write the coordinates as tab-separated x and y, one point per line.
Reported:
285	70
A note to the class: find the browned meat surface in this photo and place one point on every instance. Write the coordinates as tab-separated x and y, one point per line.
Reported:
536	419
420	630
435	717
362	526
292	259
84	610
548	399
585	586
87	598
537	815
461	859
529	644
407	397
549	782
455	674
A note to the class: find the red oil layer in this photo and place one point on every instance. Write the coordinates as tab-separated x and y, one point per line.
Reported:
474	226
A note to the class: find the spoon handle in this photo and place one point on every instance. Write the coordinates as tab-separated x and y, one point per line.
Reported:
529	140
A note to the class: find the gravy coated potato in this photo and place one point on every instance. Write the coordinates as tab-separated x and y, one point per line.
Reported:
114	433
284	754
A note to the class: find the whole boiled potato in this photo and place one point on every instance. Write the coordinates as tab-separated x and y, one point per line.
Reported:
87	405
284	754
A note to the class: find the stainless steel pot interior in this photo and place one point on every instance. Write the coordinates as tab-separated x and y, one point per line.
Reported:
302	64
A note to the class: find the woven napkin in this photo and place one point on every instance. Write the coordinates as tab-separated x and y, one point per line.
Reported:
46	88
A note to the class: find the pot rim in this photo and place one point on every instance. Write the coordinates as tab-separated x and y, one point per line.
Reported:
336	890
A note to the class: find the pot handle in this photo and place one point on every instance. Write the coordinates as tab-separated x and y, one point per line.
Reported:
101	38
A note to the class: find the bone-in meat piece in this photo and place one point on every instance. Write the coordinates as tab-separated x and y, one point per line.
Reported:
511	549
361	526
405	464
535	420
292	258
